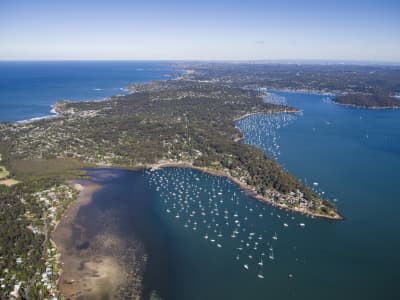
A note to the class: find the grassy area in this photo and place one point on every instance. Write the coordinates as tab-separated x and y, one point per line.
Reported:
57	167
3	172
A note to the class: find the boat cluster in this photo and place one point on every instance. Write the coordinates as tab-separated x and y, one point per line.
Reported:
262	131
217	211
274	98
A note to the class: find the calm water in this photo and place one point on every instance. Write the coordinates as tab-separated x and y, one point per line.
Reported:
28	89
208	240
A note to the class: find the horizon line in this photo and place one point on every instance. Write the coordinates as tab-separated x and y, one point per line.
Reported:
244	61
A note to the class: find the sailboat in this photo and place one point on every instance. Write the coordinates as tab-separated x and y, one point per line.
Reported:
261	263
271	254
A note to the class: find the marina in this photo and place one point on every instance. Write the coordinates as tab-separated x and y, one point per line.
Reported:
213	207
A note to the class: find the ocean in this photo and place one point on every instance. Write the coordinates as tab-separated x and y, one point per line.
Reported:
28	89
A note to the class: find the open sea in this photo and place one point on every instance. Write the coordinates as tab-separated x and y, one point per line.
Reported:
206	239
28	89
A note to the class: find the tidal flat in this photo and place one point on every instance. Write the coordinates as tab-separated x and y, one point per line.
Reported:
97	263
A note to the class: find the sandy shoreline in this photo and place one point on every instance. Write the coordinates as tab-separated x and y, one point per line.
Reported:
62	233
95	264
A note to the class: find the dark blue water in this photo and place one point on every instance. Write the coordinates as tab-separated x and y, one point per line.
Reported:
28	89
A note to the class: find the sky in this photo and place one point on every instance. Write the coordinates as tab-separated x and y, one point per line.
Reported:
367	30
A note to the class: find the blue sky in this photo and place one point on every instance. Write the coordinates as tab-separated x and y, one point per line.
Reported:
200	30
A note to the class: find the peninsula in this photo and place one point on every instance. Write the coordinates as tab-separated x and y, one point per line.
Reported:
178	122
182	123
368	101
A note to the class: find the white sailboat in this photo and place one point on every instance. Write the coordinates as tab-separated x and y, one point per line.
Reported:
271	254
261	263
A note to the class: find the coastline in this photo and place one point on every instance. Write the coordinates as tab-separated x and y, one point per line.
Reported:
367	107
62	230
54	113
248	189
71	282
94	264
303	91
82	273
288	111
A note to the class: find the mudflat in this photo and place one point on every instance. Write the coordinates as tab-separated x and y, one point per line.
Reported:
94	264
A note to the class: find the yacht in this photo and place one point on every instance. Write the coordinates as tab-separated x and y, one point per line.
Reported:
271	254
261	263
